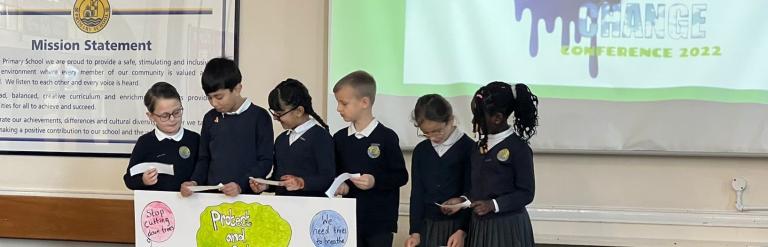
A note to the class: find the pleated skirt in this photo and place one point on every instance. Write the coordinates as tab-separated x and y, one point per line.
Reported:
436	233
513	230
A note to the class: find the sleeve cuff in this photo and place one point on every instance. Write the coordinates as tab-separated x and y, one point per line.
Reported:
496	206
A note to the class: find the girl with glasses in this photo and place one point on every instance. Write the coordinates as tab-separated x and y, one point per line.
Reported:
304	156
168	143
439	175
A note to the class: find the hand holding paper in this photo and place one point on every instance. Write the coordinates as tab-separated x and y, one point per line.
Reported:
198	188
149	177
453	205
338	182
292	183
264	181
364	182
465	204
342	190
185	188
231	189
256	186
146	166
259	185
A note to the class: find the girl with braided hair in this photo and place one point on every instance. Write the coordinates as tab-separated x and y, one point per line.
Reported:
304	156
502	179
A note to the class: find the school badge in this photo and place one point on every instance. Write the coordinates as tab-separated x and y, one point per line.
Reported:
184	152
91	16
374	151
503	155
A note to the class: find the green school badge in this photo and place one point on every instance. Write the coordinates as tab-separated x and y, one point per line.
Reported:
184	152
503	155
374	151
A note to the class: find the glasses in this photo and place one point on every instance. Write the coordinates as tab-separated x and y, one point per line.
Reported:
278	115
434	133
167	116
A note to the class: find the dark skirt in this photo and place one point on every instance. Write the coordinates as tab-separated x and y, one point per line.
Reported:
436	233
512	230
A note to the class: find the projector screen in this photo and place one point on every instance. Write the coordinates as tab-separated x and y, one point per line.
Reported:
670	76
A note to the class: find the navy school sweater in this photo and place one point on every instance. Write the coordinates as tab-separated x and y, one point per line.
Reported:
504	173
182	155
310	157
234	147
435	179
379	155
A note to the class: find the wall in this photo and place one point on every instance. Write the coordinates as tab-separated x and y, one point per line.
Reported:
580	199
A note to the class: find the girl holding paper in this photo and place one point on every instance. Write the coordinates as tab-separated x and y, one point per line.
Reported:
439	176
304	156
163	158
502	165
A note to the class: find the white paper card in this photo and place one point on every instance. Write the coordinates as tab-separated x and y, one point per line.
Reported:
146	166
464	204
337	182
264	181
205	187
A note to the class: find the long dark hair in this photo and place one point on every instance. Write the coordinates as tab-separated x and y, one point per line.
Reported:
500	97
292	93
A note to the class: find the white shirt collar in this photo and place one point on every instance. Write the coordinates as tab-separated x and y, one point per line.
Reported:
162	136
497	138
296	133
442	148
243	108
365	132
452	139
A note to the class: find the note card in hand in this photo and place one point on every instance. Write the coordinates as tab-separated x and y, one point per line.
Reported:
337	182
205	187
464	204
264	181
162	168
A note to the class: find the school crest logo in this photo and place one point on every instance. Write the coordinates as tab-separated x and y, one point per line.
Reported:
184	152
91	16
374	151
503	155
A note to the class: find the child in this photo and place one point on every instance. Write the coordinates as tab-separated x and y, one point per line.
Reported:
236	137
371	149
304	159
168	143
502	166
439	173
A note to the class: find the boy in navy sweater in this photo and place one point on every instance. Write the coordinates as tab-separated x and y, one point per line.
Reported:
236	137
373	150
